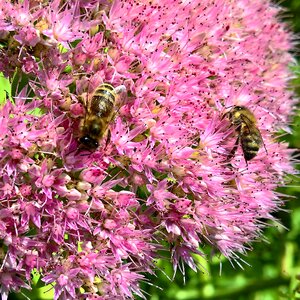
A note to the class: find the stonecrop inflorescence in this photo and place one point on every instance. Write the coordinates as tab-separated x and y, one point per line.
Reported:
91	221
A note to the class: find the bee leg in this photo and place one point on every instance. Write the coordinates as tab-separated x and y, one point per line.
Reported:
109	132
232	152
107	139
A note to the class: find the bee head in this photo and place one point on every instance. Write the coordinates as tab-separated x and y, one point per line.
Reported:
236	109
91	132
89	142
234	114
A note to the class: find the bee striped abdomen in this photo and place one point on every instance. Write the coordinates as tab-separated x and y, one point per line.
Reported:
103	101
250	145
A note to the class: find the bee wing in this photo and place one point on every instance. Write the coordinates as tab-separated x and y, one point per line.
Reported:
251	141
260	140
257	135
120	89
121	93
250	129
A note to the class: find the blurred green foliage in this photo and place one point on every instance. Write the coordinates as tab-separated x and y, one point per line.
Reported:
272	267
292	13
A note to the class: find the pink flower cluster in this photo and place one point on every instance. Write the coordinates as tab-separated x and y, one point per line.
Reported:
91	222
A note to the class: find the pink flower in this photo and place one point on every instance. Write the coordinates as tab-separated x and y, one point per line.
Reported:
28	36
93	220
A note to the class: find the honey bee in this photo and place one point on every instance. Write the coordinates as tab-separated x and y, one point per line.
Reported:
99	113
249	135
